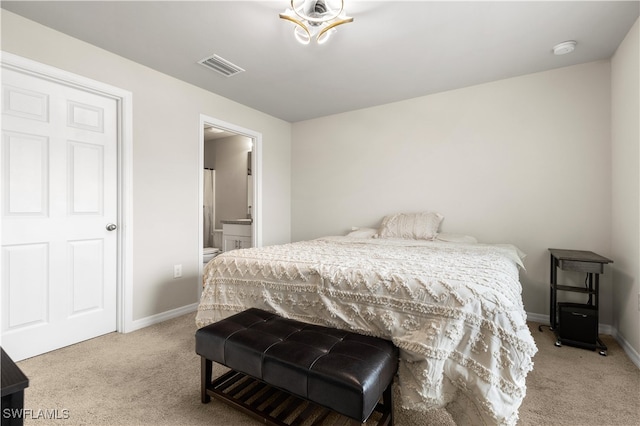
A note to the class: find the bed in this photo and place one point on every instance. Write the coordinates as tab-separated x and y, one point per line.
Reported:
454	308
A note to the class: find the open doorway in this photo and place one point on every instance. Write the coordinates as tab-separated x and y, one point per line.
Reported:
229	205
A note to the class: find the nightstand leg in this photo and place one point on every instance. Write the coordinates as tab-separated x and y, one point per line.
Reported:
553	296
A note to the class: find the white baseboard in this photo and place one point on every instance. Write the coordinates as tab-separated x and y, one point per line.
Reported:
630	351
163	316
602	329
541	318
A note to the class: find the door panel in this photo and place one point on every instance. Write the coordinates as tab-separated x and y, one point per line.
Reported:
59	191
85	183
25	103
26	174
84	259
25	263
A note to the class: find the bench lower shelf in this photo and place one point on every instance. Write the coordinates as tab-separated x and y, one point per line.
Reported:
276	407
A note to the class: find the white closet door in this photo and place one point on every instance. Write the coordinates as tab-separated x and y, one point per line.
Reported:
59	193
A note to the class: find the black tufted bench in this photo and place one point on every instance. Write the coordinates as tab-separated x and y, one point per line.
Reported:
342	371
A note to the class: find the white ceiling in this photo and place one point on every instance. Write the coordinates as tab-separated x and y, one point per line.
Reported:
393	50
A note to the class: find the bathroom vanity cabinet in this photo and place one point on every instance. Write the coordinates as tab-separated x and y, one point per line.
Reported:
236	236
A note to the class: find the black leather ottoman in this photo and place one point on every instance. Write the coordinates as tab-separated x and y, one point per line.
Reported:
342	371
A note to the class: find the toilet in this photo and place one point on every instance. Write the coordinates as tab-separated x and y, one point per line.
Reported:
209	253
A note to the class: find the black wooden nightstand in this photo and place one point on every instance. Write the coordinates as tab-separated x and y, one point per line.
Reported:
13	384
576	324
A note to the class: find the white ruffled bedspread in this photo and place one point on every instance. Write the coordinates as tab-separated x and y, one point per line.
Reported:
454	310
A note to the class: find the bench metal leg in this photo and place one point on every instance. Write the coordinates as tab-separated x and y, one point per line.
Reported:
206	367
387	399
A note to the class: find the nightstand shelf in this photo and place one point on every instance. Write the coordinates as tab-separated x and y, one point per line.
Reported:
574	289
576	324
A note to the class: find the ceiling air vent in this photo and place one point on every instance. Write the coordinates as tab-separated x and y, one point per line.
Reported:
220	65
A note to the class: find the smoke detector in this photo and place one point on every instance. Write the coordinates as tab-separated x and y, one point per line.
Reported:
564	47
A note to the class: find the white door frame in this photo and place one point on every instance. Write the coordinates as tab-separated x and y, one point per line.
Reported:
123	98
256	171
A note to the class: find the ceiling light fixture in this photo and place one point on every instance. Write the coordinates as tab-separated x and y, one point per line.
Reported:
564	47
315	19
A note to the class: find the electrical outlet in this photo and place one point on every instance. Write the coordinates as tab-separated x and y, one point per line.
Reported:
177	271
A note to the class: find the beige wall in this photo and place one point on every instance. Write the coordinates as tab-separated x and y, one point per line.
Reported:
625	197
525	160
209	154
166	125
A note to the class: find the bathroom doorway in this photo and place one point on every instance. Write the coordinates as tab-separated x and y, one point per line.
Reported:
230	185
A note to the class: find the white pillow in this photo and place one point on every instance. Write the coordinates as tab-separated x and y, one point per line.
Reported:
363	233
413	226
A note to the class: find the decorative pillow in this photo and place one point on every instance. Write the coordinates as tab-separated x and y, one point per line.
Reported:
456	238
414	226
363	233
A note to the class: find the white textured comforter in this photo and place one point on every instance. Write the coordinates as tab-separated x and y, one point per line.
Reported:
454	310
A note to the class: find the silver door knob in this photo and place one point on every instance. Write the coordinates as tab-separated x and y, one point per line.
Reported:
111	227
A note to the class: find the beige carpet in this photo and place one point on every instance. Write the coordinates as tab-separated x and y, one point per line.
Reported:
151	377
